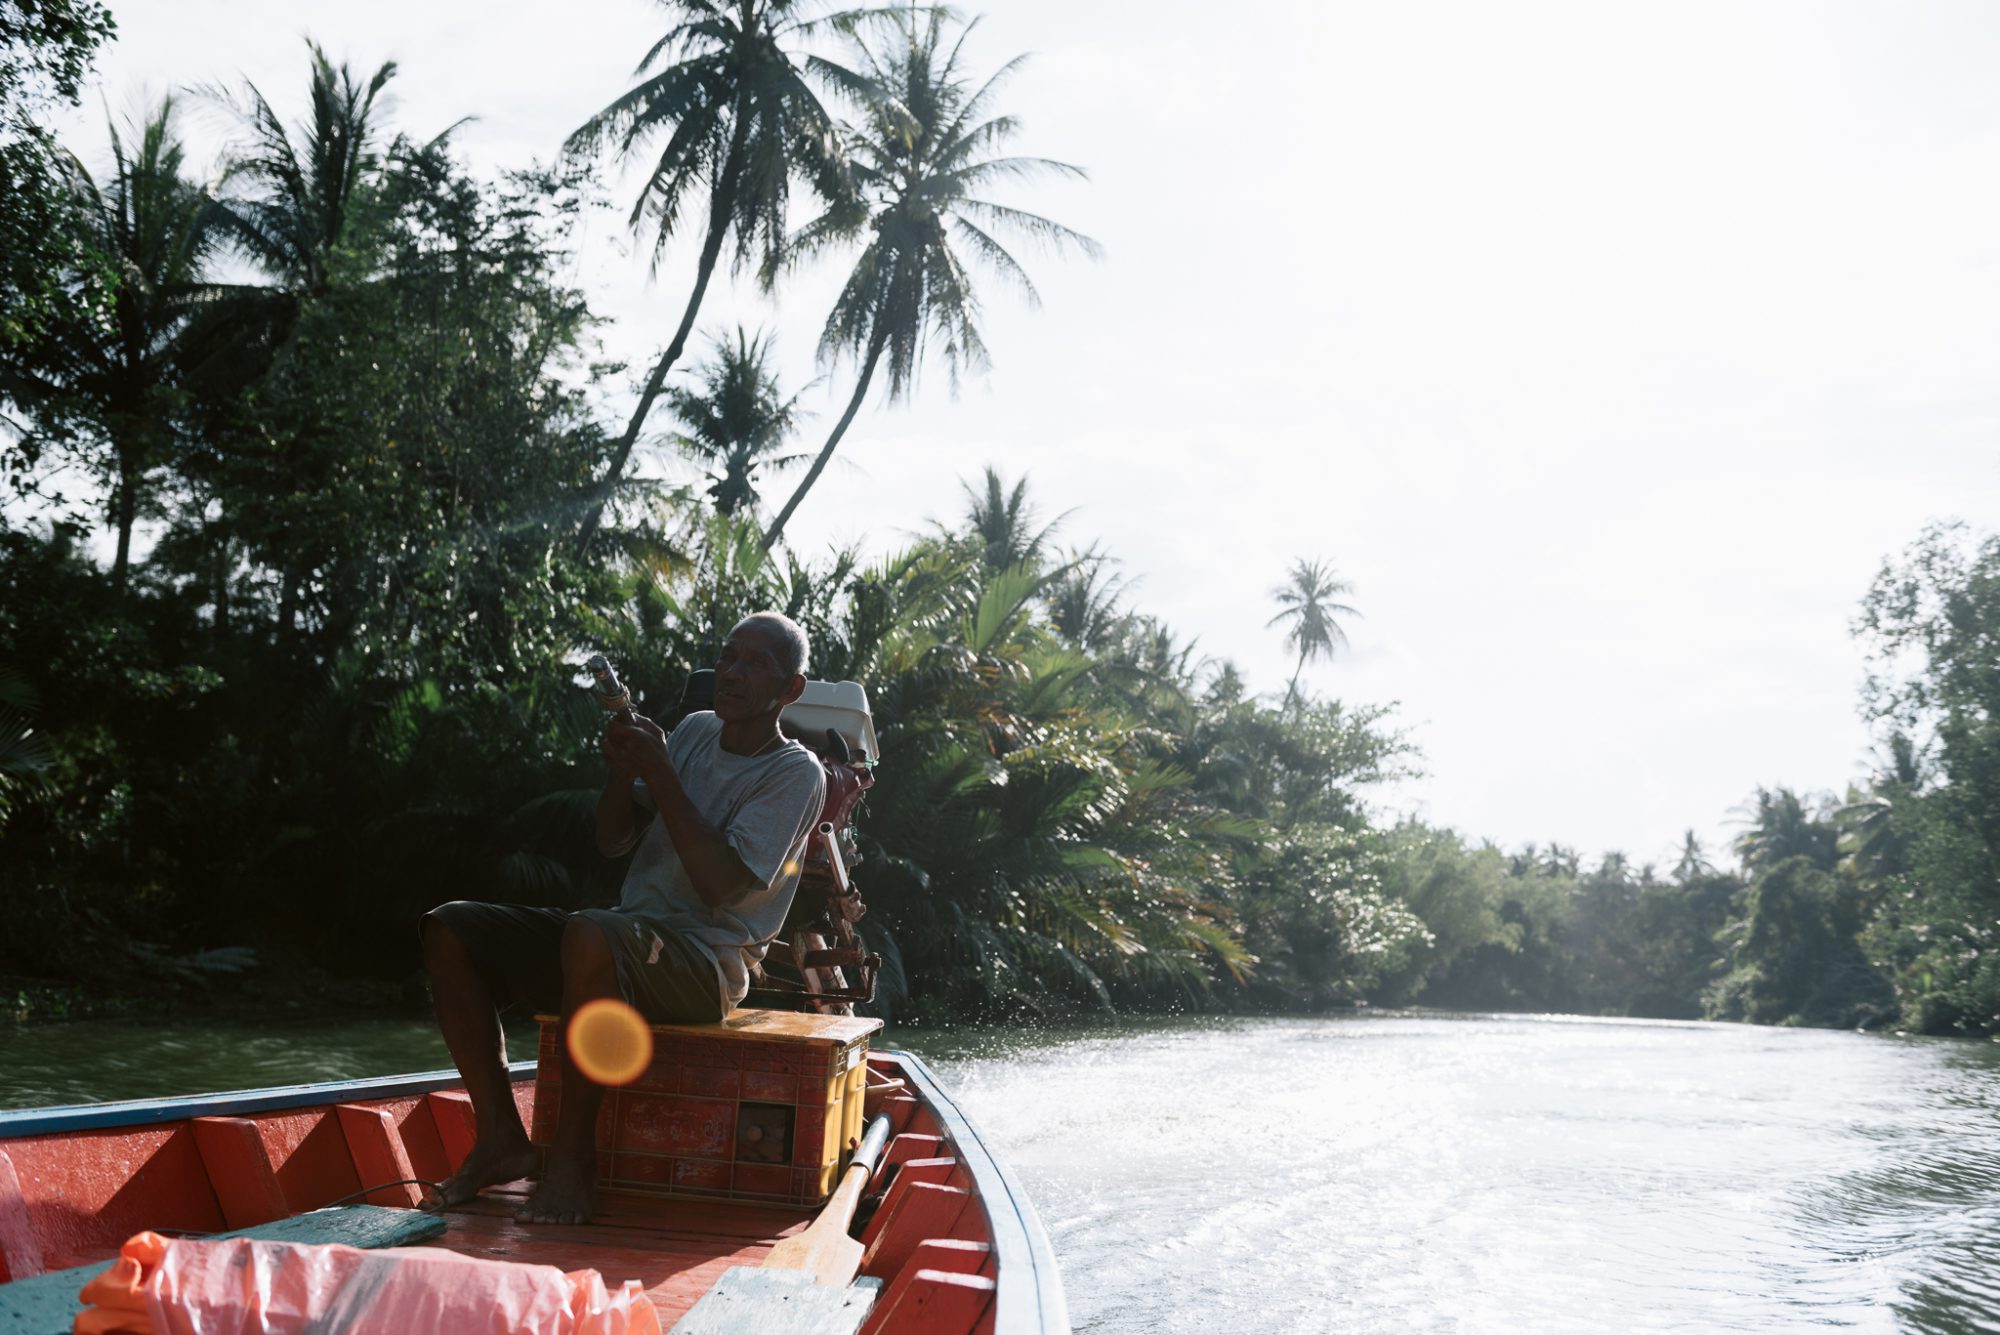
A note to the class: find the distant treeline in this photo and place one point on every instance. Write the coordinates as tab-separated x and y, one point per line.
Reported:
365	515
1877	906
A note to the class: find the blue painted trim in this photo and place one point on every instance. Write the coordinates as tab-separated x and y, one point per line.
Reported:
1029	1298
150	1112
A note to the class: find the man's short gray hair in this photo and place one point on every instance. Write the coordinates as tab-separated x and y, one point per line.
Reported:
793	648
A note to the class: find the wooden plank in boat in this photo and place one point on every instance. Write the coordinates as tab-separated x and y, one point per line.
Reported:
45	1304
365	1226
788	1300
785	1026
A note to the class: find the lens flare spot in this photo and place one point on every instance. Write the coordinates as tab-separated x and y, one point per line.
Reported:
610	1042
792	868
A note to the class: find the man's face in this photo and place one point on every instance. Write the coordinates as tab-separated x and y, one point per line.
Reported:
748	679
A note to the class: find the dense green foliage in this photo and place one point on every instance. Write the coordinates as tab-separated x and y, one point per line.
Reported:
362	515
46	48
1926	837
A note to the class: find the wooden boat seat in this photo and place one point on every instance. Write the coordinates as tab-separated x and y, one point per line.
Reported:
47	1304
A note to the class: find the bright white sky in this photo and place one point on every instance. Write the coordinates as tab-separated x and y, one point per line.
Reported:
1606	347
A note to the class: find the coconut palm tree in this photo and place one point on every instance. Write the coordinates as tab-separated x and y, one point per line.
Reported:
1874	835
1225	685
297	203
1086	606
292	206
110	369
1308	613
741	121
736	419
922	168
1558	861
1693	860
1782	825
1003	523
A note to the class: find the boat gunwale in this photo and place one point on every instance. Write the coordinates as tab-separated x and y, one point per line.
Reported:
17	1123
1028	1299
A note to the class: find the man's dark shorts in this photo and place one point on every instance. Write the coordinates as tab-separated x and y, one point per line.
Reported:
518	952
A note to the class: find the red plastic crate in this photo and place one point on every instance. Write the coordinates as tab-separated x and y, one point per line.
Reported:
761	1107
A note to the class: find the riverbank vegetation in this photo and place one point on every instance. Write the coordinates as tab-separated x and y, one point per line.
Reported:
339	420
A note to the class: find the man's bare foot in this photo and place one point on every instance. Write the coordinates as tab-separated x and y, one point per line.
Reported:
487	1166
561	1197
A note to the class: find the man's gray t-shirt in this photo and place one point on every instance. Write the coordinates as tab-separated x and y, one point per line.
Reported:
765	806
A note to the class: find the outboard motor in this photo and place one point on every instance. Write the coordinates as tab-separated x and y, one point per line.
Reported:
835	973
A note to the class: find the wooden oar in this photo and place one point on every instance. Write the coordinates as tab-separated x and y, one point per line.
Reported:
824	1248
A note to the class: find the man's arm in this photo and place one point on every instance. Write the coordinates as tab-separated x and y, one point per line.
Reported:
616	832
718	872
639	749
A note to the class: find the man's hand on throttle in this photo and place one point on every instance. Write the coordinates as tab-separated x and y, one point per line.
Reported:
631	748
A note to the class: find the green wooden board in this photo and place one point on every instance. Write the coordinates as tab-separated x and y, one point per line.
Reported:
47	1304
747	1299
365	1226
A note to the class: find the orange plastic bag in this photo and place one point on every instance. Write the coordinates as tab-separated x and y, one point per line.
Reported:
243	1286
117	1297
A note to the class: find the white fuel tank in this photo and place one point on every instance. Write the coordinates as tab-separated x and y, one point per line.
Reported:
840	705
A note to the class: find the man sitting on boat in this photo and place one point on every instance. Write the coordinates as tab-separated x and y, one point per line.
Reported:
728	803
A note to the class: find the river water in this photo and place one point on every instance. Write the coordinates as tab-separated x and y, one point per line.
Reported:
1394	1173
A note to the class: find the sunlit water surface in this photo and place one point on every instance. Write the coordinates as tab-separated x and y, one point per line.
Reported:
1469	1173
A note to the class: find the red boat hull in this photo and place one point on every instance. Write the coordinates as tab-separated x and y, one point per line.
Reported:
954	1243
